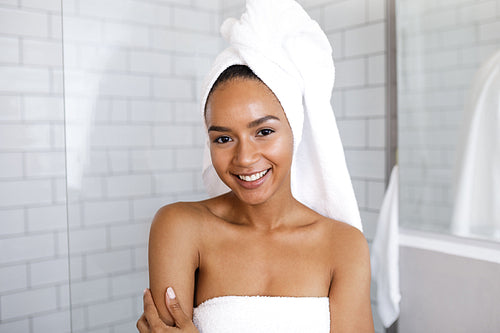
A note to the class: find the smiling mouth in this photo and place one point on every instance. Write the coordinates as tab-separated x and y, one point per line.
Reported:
254	177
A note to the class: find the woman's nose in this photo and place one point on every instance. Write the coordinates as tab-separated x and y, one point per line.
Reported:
246	153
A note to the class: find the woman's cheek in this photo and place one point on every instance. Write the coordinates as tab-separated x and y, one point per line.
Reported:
282	148
220	158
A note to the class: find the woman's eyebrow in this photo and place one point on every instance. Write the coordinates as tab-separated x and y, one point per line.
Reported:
251	124
218	129
262	120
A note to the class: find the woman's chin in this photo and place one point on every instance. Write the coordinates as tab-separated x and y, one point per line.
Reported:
251	197
255	192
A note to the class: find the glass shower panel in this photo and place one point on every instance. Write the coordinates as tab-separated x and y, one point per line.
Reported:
448	102
133	72
34	283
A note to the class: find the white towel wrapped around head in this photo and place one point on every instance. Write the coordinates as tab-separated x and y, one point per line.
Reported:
290	53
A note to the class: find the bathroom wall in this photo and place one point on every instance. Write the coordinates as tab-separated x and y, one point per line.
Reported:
133	138
356	30
133	71
441	46
448	293
132	76
33	244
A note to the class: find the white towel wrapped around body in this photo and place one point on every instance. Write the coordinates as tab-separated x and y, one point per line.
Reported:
242	314
290	53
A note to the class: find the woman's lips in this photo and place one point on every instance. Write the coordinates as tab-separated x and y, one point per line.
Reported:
253	177
252	181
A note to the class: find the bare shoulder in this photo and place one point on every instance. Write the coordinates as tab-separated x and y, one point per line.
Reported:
350	306
178	221
179	215
342	233
348	245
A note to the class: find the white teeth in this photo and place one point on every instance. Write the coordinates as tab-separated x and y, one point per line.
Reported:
253	177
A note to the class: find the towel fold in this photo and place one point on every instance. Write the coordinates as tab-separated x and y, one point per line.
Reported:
385	254
290	53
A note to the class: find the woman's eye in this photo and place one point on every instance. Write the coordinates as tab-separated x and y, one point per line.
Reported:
222	139
265	132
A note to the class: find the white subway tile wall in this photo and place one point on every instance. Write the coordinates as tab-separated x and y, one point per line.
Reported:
33	266
443	46
133	71
131	84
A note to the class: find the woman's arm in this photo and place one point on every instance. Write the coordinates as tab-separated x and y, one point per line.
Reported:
150	321
350	307
173	257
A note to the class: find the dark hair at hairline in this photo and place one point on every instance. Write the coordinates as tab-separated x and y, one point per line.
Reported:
231	73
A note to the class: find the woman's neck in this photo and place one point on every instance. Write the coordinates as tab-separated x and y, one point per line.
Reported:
278	211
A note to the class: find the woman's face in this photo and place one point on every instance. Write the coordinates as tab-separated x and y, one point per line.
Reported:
251	142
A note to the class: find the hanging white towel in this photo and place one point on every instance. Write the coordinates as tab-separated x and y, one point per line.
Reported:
476	208
385	254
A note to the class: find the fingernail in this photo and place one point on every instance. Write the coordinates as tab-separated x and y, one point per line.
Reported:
145	290
170	293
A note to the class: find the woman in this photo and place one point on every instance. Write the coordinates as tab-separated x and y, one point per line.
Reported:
223	254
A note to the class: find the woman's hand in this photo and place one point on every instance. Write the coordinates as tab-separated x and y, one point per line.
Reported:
150	321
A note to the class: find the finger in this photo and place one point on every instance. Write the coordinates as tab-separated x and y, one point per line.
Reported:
150	311
142	325
173	305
